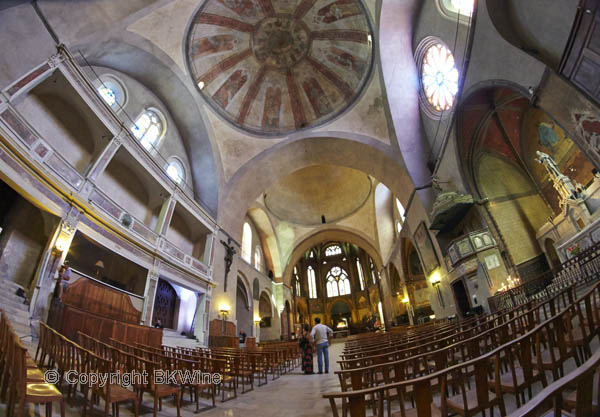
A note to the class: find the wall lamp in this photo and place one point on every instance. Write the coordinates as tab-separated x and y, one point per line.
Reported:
436	279
224	312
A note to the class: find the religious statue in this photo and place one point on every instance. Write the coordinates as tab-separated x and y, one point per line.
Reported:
229	252
561	183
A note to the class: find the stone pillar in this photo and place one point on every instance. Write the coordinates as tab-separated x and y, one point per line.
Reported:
150	293
165	216
56	252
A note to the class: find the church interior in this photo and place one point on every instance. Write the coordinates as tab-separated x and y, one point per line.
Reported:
207	180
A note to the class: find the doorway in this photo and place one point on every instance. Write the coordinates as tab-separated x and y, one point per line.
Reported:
461	296
165	304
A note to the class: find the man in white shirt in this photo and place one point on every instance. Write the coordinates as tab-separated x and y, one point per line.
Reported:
320	335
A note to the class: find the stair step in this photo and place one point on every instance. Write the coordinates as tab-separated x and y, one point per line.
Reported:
13	301
13	286
16	313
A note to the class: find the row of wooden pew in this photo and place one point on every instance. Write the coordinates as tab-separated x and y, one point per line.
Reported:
22	381
468	367
223	370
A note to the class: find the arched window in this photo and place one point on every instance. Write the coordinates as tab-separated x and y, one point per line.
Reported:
373	272
400	208
175	171
312	282
461	8
148	129
297	283
107	95
311	254
111	91
361	277
246	242
333	250
337	282
258	258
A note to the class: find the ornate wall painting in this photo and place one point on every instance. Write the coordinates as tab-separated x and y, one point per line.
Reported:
425	248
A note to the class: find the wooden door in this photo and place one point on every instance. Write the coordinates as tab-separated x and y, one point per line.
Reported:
581	61
164	304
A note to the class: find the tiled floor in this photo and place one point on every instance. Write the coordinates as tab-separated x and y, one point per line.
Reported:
293	395
298	394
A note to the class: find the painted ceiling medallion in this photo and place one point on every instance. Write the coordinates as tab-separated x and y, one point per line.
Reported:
272	67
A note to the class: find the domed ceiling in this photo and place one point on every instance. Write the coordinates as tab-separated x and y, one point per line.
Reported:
271	67
321	190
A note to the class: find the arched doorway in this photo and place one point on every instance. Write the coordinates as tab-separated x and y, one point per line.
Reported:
341	316
243	309
165	303
265	310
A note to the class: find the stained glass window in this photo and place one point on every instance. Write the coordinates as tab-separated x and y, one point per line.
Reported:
148	128
337	282
439	77
107	95
361	277
461	7
298	291
333	250
258	258
312	284
373	272
246	242
175	171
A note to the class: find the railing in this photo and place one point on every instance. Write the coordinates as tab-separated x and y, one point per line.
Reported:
470	244
578	270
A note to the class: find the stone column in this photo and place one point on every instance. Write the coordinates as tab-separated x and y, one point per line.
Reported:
150	293
56	252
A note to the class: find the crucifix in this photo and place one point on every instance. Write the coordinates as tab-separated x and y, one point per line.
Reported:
229	252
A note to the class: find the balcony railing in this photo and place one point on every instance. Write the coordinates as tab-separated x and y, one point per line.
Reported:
578	270
470	244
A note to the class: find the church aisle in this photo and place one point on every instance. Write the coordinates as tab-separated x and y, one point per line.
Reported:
298	394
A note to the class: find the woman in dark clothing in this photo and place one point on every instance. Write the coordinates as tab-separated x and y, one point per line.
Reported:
307	350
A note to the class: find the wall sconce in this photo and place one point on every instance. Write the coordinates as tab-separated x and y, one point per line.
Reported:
406	300
436	279
224	312
62	242
257	320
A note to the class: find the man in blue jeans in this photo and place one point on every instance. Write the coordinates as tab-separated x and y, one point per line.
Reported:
320	334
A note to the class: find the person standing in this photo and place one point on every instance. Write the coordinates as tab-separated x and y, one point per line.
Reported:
305	342
320	335
64	276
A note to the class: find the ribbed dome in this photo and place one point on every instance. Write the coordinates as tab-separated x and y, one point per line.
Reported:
272	67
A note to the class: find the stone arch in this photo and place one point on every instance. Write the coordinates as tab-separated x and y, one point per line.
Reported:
337	234
518	23
338	308
384	219
151	67
247	288
243	307
357	152
268	238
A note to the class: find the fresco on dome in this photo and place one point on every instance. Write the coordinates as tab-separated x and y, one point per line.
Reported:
303	62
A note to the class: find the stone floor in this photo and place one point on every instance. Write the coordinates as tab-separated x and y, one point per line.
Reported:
298	394
294	393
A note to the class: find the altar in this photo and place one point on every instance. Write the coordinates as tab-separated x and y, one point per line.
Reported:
577	227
